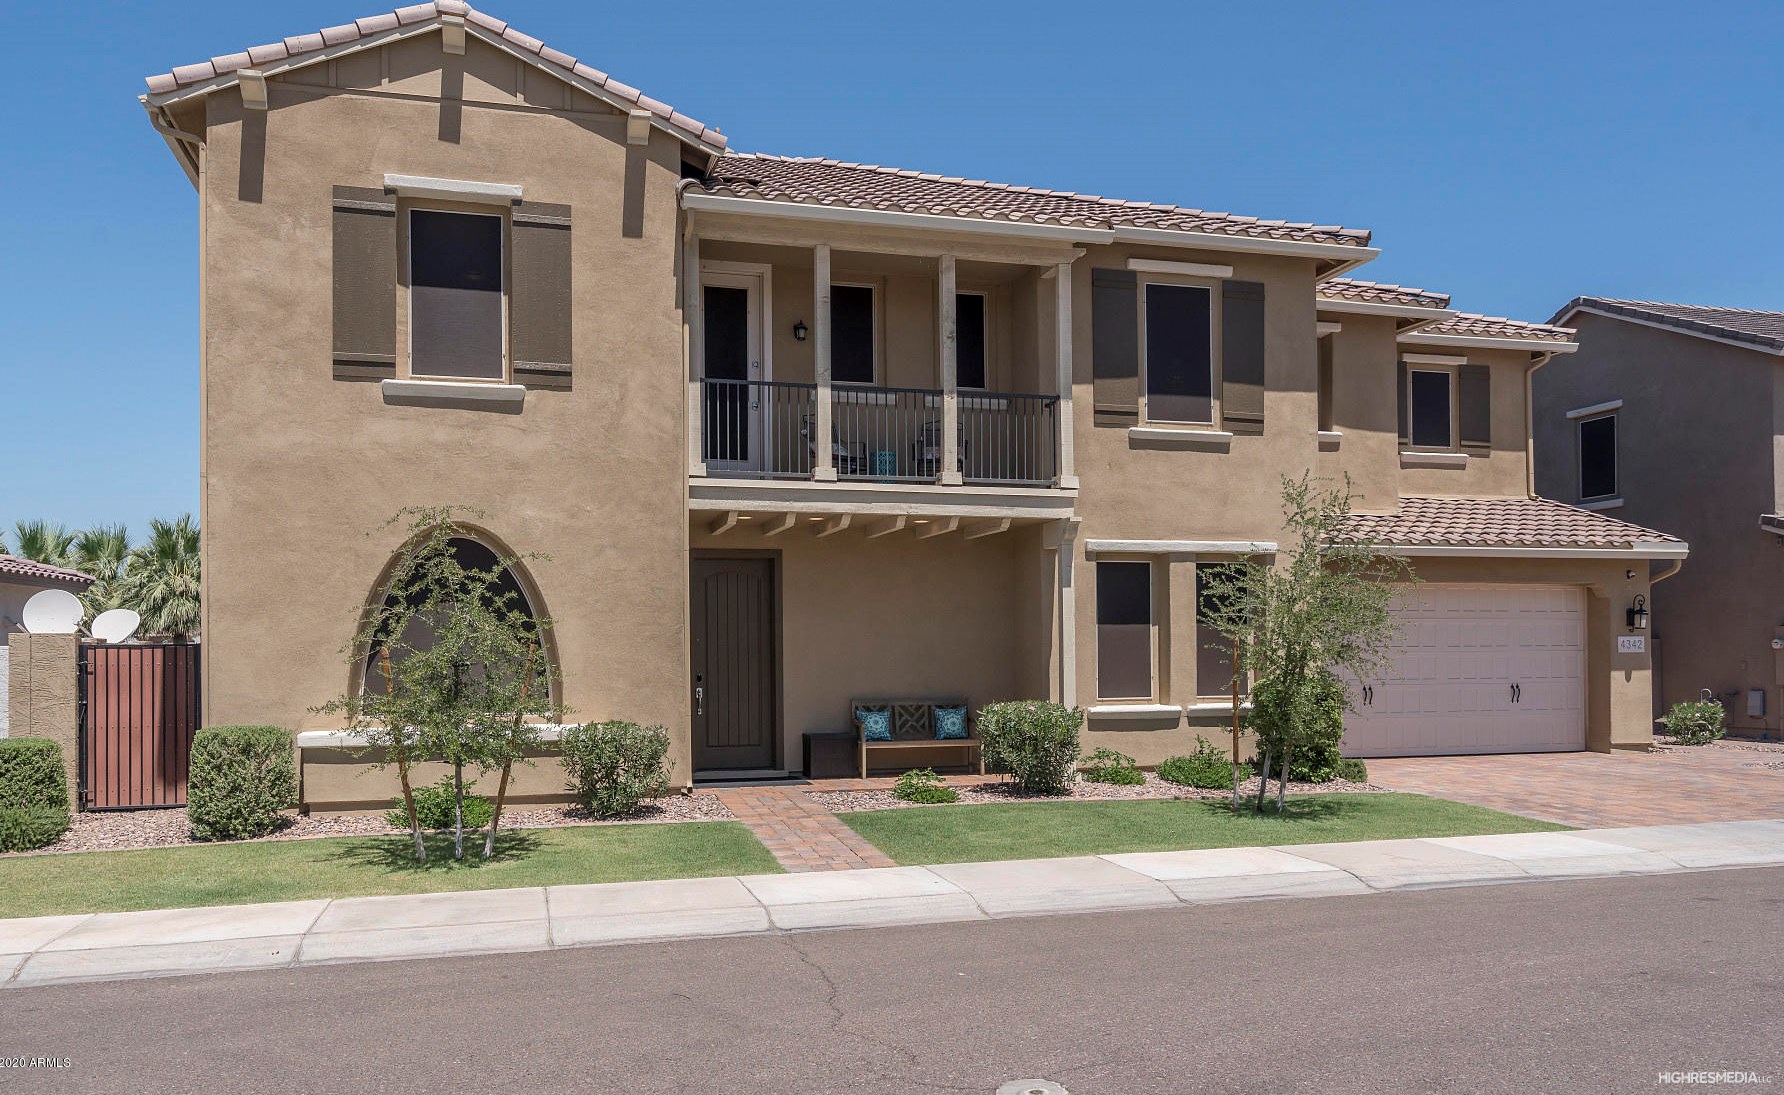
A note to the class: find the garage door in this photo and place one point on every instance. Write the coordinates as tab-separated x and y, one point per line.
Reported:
1478	669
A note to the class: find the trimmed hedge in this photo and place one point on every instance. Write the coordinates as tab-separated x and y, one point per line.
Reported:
1034	740
241	778
1208	768
434	807
1696	723
614	766
34	807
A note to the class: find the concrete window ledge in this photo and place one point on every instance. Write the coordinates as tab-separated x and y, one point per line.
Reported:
1329	440
1215	707
1602	503
1433	459
1166	437
508	398
1140	712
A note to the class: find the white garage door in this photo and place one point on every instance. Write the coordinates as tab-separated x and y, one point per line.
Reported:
1478	669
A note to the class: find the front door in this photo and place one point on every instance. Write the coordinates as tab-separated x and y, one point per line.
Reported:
734	638
731	323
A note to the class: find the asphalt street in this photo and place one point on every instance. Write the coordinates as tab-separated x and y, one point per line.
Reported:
1592	986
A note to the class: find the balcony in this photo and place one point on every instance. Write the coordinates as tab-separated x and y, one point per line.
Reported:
759	429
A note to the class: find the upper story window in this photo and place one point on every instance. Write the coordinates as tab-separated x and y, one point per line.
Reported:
969	340
457	304
853	336
1124	647
1431	407
1177	352
1598	457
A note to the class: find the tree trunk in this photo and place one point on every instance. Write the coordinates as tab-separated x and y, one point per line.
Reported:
402	767
1235	726
458	809
495	816
1282	779
1263	782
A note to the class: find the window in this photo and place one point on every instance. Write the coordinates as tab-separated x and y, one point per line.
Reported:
1179	353
852	342
969	340
1327	421
456	300
507	593
1214	652
1598	457
1124	631
1431	404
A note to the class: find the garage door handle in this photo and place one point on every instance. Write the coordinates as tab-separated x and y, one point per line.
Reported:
1517	693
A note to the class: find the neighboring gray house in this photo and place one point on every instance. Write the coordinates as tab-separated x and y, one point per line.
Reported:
1672	416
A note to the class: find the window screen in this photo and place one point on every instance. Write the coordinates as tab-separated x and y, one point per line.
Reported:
1124	630
1598	457
851	334
455	295
1179	353
1430	403
969	340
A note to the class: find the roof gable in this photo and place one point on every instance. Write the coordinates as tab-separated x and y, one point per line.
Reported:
1748	327
375	31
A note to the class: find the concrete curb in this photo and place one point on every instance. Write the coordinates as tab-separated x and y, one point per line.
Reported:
170	942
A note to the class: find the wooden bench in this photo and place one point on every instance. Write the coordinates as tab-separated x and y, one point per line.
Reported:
913	727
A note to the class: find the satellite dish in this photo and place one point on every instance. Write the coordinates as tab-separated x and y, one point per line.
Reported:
53	612
115	625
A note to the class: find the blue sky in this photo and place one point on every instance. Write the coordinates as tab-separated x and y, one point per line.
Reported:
1515	159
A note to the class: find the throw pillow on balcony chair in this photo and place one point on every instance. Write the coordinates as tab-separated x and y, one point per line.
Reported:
950	723
876	725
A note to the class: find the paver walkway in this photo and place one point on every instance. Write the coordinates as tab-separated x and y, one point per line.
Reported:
1721	782
802	834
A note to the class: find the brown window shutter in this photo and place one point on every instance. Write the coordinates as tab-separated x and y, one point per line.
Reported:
1474	405
1400	383
1115	347
364	283
539	297
1242	356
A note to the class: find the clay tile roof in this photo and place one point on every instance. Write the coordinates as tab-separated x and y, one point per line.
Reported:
814	181
1500	522
1374	292
187	75
1478	326
1764	329
11	566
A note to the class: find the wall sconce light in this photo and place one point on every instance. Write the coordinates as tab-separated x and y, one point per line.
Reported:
800	330
1638	614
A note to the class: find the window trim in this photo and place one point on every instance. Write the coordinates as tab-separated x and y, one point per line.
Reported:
985	336
1145	281
1152	624
408	258
875	321
1579	452
1454	442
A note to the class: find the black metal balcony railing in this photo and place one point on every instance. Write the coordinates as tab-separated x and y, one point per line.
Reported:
768	430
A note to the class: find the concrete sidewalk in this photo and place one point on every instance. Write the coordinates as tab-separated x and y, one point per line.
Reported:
104	946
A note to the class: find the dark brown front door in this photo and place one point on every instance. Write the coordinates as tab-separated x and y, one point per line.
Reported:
734	633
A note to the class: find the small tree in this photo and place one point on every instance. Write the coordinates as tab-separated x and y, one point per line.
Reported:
1320	610
460	665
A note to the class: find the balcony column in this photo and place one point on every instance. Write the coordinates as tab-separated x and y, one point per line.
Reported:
824	464
692	350
1062	320
950	365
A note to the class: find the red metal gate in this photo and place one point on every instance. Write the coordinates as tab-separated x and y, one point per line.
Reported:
139	710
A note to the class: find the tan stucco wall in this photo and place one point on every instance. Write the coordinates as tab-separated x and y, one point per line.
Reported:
43	694
1365	412
1500	470
302	471
338	780
1695	438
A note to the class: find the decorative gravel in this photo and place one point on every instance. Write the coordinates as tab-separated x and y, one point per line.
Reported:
95	831
1083	791
1668	745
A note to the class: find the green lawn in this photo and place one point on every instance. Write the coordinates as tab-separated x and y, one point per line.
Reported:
234	874
1037	830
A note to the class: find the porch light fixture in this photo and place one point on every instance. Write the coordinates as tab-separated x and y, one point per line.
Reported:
1638	614
800	330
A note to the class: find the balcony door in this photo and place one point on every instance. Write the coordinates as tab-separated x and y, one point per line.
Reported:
733	328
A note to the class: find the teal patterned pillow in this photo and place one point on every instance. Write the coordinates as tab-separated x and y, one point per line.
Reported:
875	725
950	723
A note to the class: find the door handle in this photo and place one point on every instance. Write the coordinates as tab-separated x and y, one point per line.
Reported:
699	700
1517	693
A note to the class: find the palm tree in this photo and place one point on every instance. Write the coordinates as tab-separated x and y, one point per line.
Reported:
161	579
44	542
101	553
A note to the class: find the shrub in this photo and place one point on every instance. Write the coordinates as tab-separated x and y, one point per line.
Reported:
241	777
33	794
614	766
433	807
1208	768
1352	769
1033	740
1696	723
1315	756
1111	766
923	785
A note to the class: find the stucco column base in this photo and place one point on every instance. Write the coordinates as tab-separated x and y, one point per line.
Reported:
44	696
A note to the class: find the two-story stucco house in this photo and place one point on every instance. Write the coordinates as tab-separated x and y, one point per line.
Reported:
1711	382
795	432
